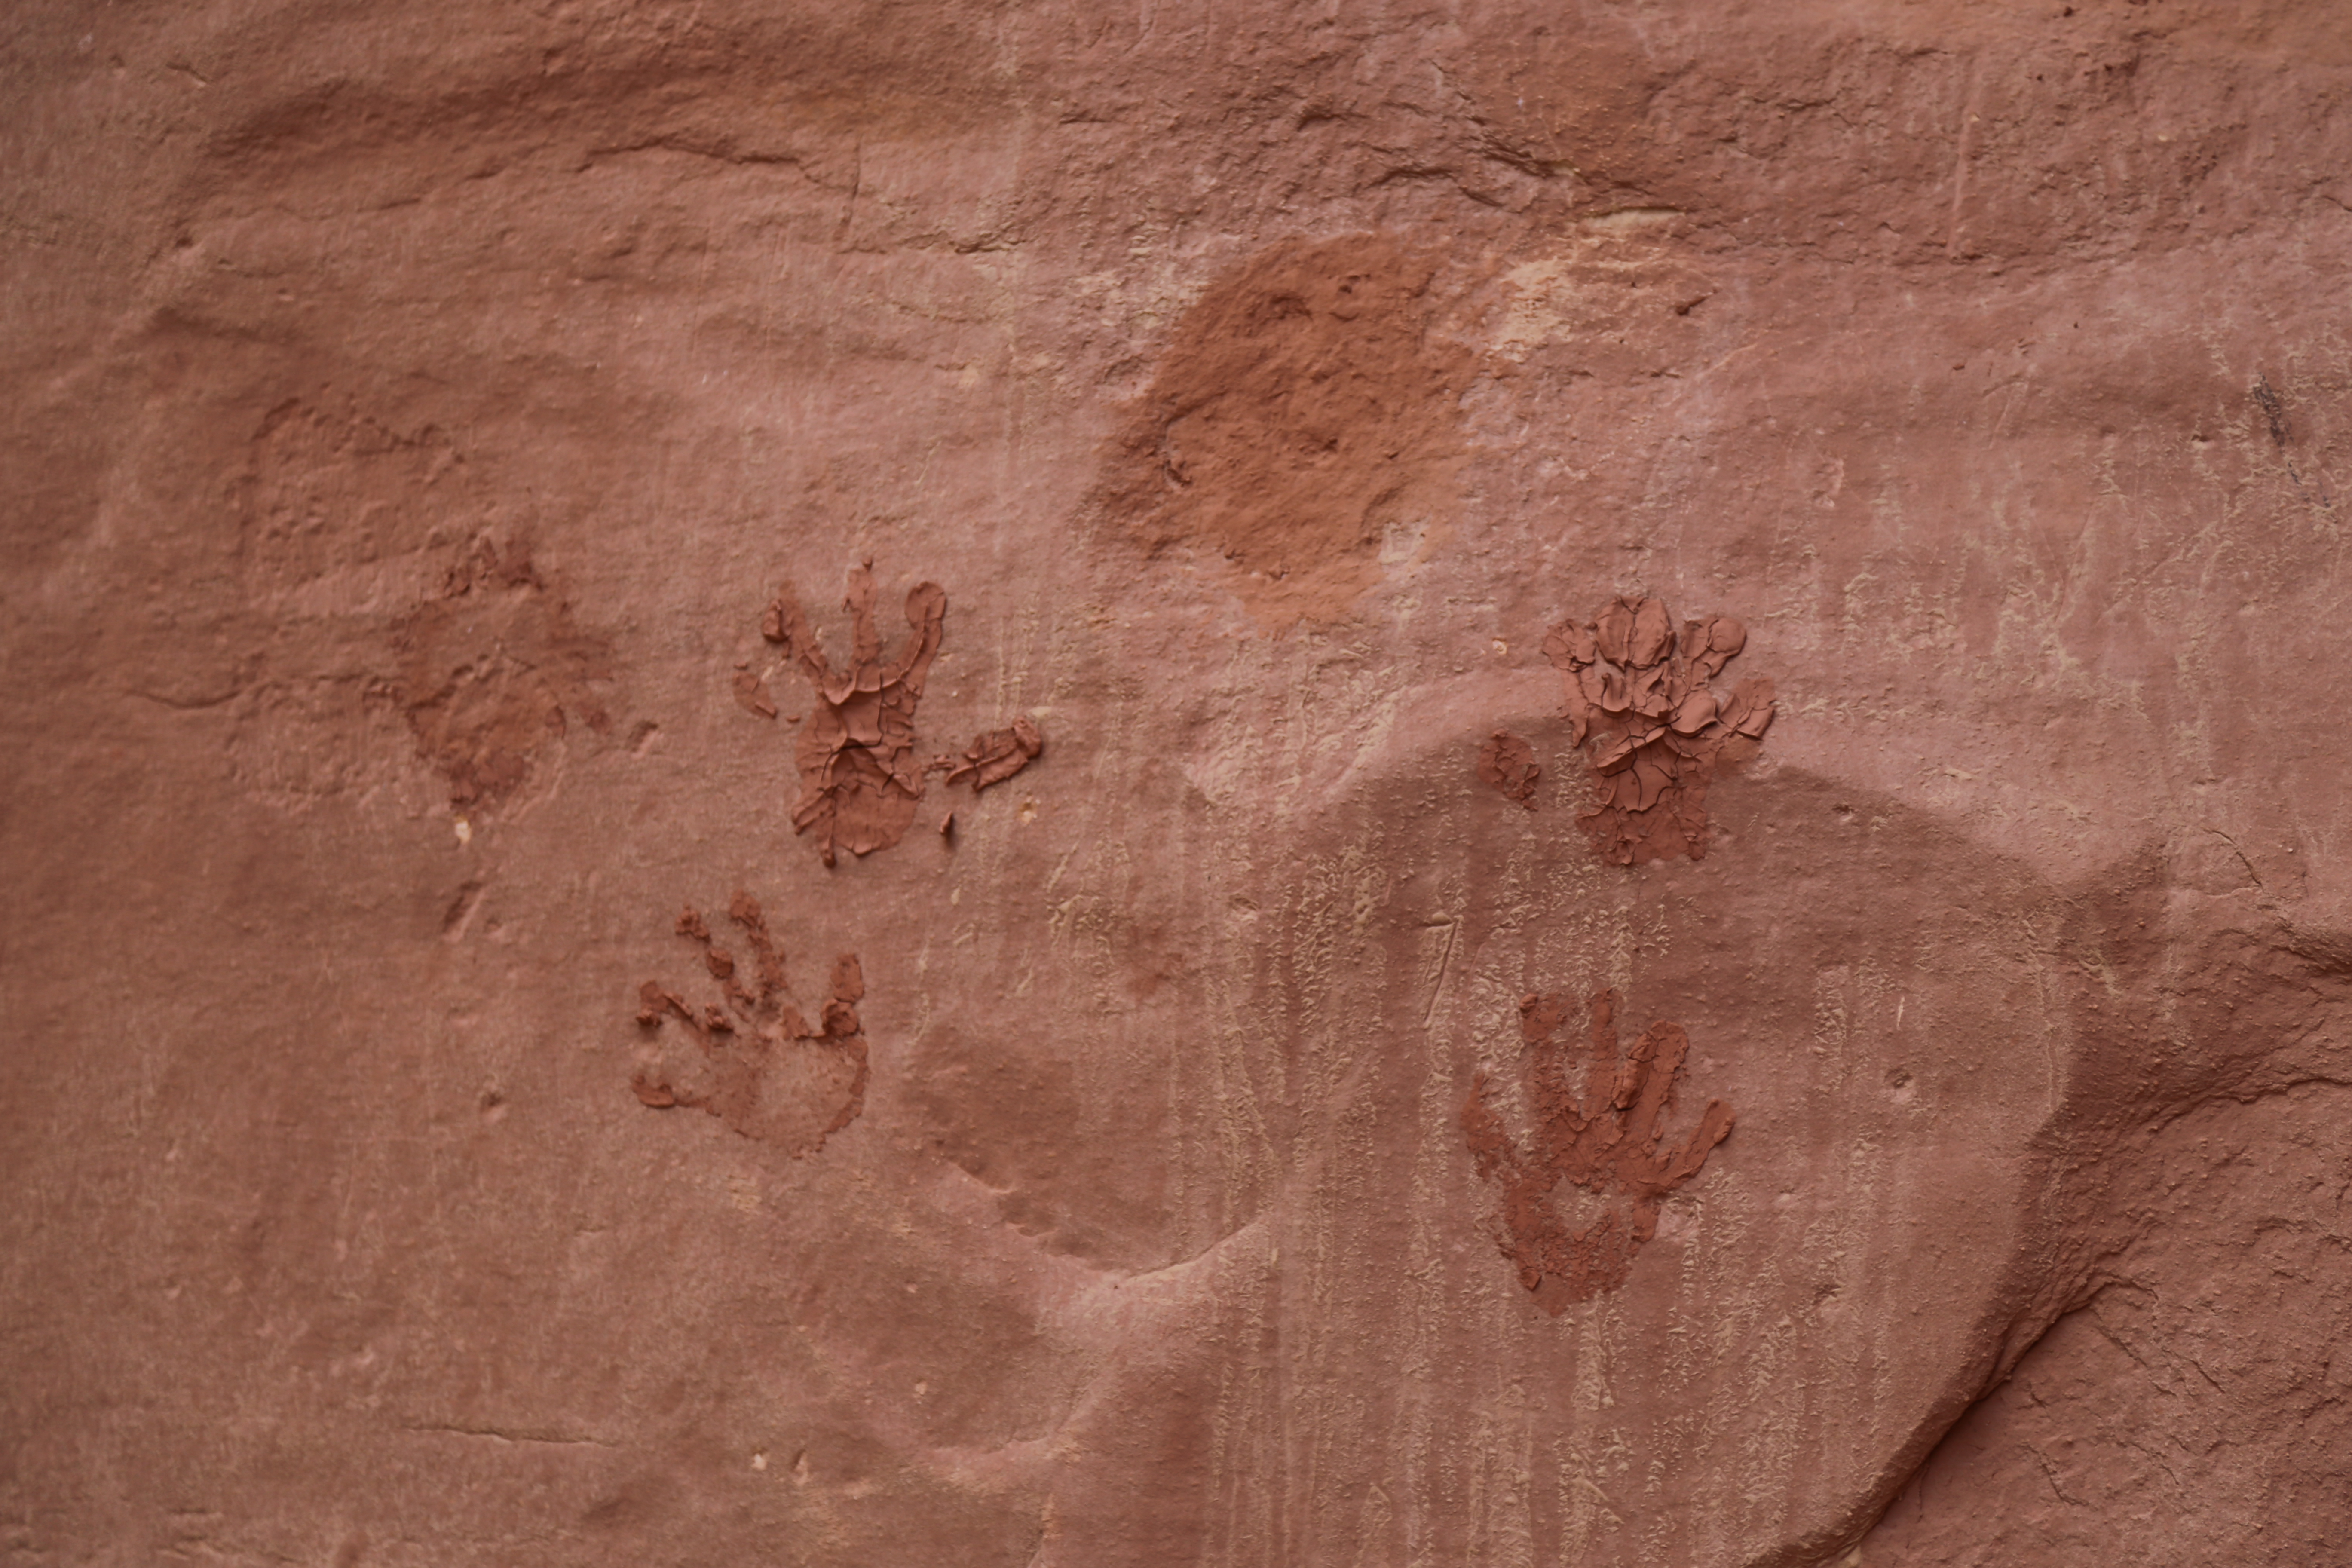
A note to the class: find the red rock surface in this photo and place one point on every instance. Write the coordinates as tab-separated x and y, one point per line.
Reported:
413	411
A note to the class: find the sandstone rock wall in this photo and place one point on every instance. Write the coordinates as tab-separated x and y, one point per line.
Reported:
1146	1008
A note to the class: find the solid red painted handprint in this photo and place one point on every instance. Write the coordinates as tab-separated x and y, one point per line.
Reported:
756	1063
1603	1137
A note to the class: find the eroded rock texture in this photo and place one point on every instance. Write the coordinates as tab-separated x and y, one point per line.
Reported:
412	409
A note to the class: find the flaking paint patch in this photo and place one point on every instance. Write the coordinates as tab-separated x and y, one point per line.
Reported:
1640	701
995	755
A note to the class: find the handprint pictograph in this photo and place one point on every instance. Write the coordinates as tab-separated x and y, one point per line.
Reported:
1639	699
859	778
492	671
1603	1140
756	1063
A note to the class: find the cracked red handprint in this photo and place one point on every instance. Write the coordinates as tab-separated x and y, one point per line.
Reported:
756	1063
859	778
1603	1140
1656	727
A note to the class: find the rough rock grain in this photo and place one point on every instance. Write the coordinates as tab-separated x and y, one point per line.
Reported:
412	410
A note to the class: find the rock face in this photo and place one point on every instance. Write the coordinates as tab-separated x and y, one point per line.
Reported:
1280	1095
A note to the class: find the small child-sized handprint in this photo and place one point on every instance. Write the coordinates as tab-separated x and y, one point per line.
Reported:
756	1063
1656	727
859	778
1604	1141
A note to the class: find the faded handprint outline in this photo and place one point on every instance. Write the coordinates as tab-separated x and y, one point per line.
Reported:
1610	1151
1628	669
1507	763
760	1068
859	778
